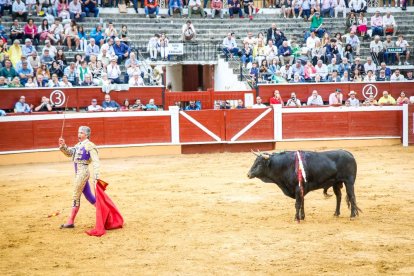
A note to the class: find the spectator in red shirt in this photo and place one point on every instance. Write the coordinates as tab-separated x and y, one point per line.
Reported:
276	99
30	31
216	7
151	7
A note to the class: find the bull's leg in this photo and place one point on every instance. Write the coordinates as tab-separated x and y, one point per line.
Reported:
298	203
351	199
338	194
302	210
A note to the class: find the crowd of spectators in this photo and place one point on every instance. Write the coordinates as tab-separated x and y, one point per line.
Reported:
321	56
34	55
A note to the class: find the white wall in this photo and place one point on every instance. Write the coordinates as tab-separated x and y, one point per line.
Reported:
174	75
226	80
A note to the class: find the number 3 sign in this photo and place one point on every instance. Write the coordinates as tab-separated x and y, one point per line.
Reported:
57	98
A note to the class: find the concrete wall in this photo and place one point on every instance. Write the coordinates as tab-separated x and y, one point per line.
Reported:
174	75
226	80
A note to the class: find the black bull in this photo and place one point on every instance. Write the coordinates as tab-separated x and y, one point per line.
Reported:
323	170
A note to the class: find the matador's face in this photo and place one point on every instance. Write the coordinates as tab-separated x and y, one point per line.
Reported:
82	136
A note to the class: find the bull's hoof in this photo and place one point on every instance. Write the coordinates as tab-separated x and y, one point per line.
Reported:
337	214
327	195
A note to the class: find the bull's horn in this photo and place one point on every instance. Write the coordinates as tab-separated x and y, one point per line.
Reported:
255	153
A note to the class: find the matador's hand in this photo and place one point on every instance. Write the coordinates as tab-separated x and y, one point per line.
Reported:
61	142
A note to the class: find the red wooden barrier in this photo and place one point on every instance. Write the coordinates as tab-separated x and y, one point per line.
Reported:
207	98
202	126
237	125
230	95
40	134
78	96
205	126
341	124
304	90
203	96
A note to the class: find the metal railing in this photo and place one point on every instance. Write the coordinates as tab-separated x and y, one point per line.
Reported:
192	51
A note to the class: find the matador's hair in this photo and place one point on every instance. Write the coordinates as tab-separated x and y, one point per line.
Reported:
86	130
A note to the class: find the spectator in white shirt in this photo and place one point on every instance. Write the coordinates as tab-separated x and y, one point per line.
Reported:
370	77
136	80
369	65
259	103
376	24
322	70
339	6
19	10
75	11
286	71
52	49
401	42
271	52
389	24
315	99
377	50
358	6
230	46
91	48
188	31
311	41
396	76
94	107
113	71
293	101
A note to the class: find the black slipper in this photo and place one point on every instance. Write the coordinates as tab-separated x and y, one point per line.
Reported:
67	226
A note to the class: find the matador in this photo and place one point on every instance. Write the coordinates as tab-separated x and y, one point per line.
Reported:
83	153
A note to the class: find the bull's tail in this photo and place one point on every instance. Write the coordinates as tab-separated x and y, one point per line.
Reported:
357	210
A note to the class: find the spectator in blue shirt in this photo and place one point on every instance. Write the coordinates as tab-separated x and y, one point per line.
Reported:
285	53
298	69
151	106
121	50
332	51
3	34
344	66
98	35
70	72
235	8
91	48
192	106
22	107
175	5
20	63
90	7
28	47
25	73
110	105
387	70
254	72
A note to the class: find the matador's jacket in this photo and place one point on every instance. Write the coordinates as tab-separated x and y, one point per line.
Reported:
83	153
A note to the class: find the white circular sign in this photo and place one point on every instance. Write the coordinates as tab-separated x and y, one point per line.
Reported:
369	90
57	98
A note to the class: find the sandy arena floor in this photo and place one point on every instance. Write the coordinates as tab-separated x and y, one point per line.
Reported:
200	214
